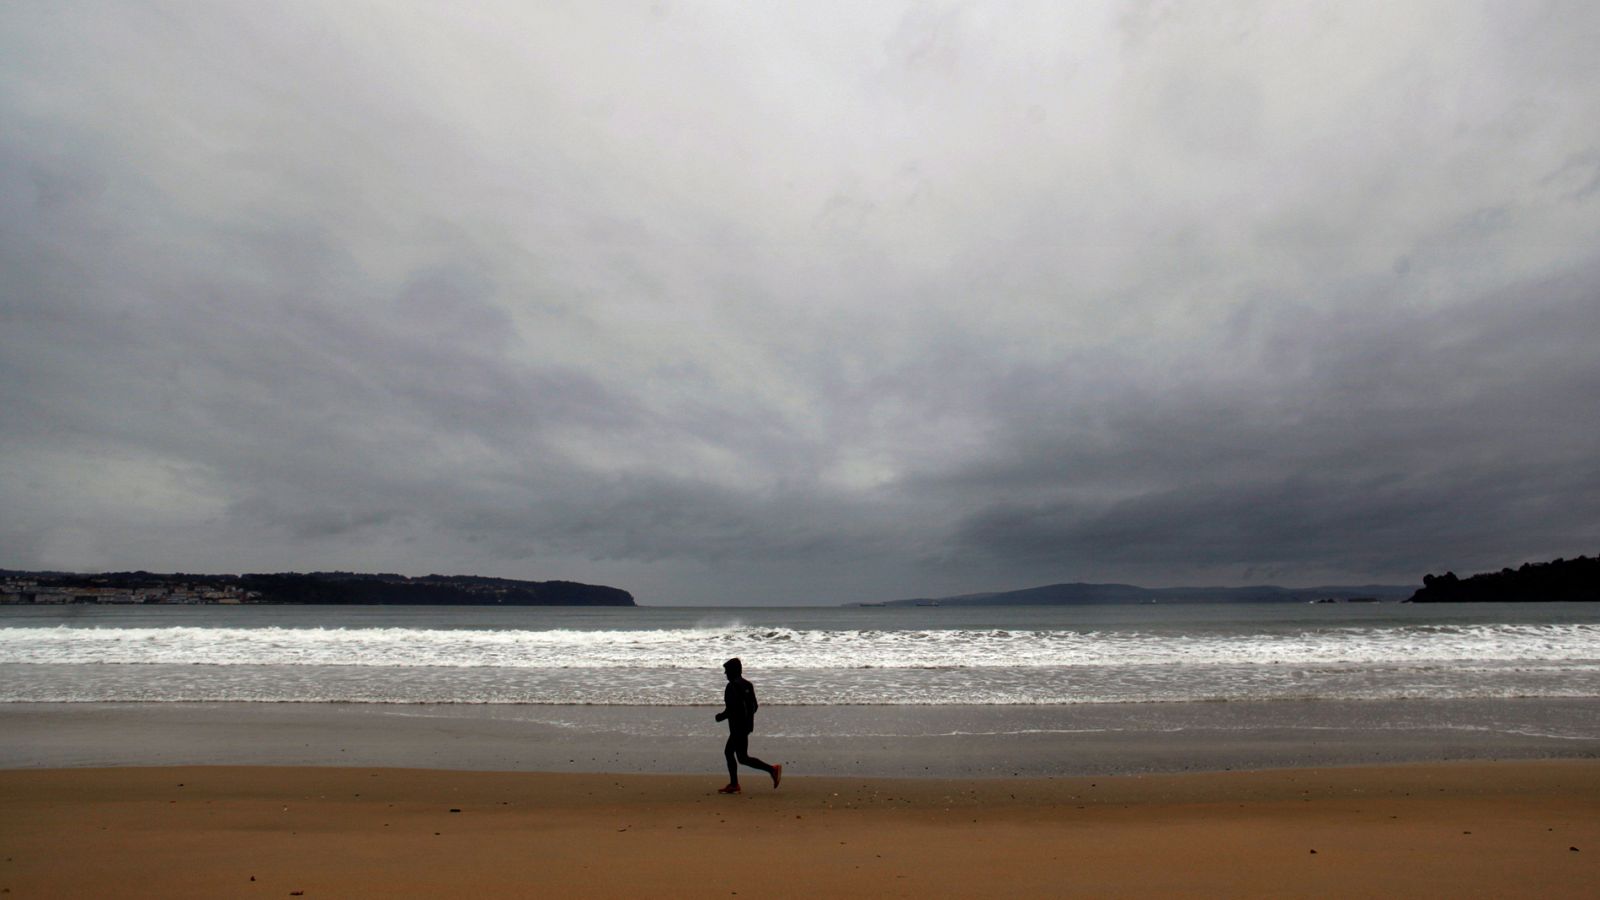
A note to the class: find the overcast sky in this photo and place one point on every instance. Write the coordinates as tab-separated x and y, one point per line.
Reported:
749	302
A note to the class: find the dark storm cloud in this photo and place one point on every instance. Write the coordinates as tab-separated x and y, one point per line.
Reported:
724	304
1437	437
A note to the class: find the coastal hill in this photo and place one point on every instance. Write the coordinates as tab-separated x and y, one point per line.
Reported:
295	587
1079	593
1560	580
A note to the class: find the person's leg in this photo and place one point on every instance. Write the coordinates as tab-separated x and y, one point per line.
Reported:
735	748
747	759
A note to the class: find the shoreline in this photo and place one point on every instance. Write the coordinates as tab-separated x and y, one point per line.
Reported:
949	741
1426	830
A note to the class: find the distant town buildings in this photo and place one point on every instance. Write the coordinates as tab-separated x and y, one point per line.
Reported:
33	591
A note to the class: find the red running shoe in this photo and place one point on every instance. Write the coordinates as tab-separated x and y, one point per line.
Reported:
777	775
728	789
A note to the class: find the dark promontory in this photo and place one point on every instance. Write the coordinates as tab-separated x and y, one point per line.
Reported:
1554	581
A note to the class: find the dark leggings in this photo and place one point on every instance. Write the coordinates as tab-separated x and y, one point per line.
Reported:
737	750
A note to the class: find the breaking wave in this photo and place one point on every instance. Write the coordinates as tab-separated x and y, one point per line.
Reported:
696	648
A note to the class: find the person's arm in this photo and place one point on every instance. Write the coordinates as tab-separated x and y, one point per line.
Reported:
726	707
750	700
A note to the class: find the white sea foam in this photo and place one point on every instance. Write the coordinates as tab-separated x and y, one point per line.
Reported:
799	666
1409	645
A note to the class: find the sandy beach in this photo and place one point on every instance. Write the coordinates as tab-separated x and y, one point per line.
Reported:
1415	798
1426	830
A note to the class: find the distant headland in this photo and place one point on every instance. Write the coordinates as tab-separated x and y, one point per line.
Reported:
1083	594
321	588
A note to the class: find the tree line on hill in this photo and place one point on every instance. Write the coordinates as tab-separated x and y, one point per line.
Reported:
1557	580
429	590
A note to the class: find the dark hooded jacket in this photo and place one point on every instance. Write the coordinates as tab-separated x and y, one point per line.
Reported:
739	698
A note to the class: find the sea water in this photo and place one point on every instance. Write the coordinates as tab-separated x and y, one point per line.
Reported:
893	656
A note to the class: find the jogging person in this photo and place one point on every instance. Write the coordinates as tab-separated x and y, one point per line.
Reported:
739	709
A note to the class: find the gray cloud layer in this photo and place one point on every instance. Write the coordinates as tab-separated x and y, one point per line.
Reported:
722	303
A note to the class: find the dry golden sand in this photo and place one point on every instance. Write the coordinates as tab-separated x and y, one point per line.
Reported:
1446	830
